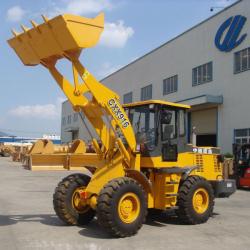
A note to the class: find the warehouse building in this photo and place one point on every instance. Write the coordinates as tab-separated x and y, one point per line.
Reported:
206	67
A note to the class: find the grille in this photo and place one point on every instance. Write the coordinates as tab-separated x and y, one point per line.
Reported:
199	163
217	165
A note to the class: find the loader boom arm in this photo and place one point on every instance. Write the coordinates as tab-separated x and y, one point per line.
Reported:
65	36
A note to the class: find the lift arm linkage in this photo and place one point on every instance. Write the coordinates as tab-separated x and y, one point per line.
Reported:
104	104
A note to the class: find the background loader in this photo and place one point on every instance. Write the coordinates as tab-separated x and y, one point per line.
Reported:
143	161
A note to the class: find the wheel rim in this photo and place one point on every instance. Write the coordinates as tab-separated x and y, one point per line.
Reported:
79	204
200	200
129	207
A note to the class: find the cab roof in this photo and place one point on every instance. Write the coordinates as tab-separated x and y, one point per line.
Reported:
172	104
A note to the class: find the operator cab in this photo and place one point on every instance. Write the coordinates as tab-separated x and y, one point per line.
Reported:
159	127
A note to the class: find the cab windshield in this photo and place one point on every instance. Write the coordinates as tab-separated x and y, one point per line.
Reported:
143	119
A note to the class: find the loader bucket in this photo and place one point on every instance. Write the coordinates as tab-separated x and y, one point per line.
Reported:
78	147
55	38
42	146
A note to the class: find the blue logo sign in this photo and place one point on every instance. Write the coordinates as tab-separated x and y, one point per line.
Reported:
227	36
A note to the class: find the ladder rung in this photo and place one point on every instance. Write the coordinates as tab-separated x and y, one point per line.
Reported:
171	195
172	208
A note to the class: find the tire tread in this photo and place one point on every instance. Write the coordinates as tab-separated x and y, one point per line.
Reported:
185	212
104	211
61	206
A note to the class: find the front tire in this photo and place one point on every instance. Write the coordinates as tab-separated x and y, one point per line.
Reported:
66	203
122	207
195	200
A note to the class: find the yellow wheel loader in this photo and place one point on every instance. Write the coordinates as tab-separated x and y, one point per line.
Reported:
142	160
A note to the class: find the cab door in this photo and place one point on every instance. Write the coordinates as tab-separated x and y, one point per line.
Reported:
173	132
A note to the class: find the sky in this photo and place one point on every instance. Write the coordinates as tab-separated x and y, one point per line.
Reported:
30	100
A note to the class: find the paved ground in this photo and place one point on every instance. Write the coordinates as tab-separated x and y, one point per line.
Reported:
27	220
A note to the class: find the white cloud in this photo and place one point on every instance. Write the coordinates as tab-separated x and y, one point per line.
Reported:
35	111
80	7
15	14
116	35
107	69
46	111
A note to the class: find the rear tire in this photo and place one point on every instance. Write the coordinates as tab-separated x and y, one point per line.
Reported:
122	207
63	203
195	200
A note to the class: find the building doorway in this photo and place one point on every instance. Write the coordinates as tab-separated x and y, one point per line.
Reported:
204	123
206	140
75	134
